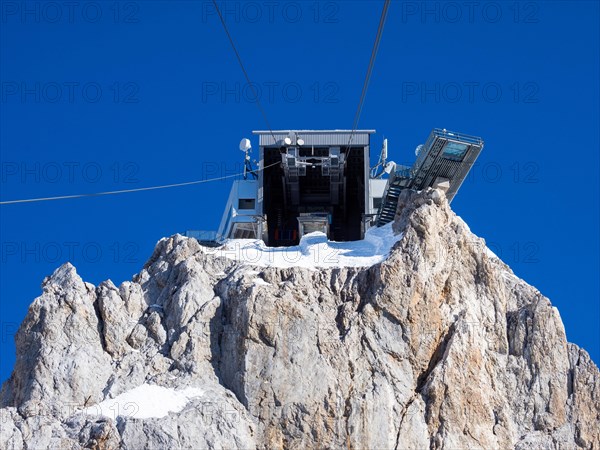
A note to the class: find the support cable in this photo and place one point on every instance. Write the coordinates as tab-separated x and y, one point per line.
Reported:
363	94
239	59
125	191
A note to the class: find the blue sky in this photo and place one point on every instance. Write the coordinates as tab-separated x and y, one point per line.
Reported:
113	95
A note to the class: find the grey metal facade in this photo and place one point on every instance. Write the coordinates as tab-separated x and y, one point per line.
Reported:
316	137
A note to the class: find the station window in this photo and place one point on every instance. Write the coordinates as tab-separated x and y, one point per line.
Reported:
455	150
246	203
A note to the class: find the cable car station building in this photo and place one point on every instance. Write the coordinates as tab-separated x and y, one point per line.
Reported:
321	180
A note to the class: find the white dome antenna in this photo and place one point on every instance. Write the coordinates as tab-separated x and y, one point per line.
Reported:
390	167
245	145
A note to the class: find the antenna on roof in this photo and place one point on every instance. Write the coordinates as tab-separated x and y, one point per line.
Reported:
246	147
375	170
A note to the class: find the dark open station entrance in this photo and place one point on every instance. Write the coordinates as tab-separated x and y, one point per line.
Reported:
316	188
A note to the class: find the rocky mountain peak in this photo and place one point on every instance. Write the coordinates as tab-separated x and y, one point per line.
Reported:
437	346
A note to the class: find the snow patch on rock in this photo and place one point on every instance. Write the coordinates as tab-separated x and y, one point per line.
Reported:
315	251
260	282
144	402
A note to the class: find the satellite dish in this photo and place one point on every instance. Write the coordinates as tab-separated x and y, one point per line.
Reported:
389	167
287	141
245	145
300	141
418	149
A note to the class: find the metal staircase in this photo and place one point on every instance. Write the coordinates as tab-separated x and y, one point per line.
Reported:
387	210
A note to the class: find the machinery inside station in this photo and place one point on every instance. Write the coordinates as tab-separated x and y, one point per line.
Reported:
316	188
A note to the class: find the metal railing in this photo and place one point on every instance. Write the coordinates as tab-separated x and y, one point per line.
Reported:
202	235
457	136
402	171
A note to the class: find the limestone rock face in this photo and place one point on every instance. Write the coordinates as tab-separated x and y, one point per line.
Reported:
439	346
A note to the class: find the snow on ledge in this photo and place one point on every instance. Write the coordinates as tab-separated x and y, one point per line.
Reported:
144	402
314	251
